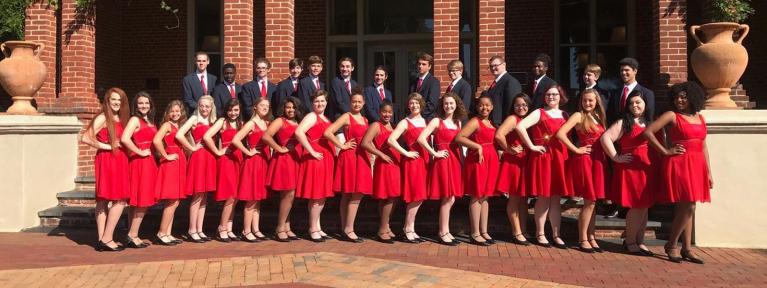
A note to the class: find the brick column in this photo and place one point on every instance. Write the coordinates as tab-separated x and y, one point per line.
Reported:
445	37
40	27
492	39
238	37
280	30
670	57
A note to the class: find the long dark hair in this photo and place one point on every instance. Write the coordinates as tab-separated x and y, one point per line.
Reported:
628	118
296	105
231	104
134	107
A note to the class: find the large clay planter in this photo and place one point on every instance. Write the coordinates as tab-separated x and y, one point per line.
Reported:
22	74
720	61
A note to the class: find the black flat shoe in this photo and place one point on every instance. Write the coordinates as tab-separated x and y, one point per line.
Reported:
488	239
646	252
442	241
158	239
255	234
278	239
672	258
557	245
689	257
245	238
589	250
316	240
204	237
478	243
542	244
404	238
382	240
596	248
103	247
520	242
131	244
189	238
294	237
325	235
223	239
348	238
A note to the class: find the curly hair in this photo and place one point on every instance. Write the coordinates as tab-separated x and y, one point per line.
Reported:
460	110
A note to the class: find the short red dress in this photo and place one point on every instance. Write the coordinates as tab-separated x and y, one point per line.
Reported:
316	176
386	177
111	168
444	177
282	173
586	173
201	169
171	176
546	172
511	172
685	177
633	182
414	170
480	179
143	170
353	173
228	165
253	176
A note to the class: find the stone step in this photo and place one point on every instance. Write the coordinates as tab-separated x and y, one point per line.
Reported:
77	198
85	182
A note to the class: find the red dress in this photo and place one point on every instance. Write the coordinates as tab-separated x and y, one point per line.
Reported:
511	171
316	176
228	165
480	179
386	177
143	170
444	178
111	168
414	170
201	169
546	172
253	176
685	177
353	173
171	177
633	183
586	173
282	174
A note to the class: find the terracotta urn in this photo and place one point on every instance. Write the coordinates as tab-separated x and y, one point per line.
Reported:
720	61
22	74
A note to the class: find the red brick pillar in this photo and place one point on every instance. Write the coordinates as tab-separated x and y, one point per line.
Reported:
492	39
670	57
40	27
238	37
445	37
280	30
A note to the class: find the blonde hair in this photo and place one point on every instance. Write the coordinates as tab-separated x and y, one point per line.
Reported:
212	115
593	68
587	123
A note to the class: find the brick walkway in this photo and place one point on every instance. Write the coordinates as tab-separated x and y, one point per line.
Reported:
336	263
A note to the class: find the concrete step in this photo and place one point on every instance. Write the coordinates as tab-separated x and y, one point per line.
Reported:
77	198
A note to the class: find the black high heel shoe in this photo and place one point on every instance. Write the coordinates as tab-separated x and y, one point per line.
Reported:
103	247
672	258
596	248
689	257
133	245
347	237
589	250
159	240
515	240
479	243
446	243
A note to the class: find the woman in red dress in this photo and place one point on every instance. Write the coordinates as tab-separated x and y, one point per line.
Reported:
282	173
201	168
413	165
353	176
633	183
545	171
171	176
511	170
587	166
686	179
480	170
252	186
111	165
229	162
444	175
315	173
137	138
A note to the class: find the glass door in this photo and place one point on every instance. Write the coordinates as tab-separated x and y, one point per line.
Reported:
400	61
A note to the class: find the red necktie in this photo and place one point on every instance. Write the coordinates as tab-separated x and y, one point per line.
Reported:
231	91
381	93
535	86
204	88
263	89
449	88
420	83
492	85
623	97
295	86
316	84
349	87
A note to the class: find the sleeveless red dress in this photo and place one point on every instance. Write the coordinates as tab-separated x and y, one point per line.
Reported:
444	177
111	169
414	170
282	174
685	177
511	172
316	176
546	172
386	177
353	173
586	173
480	179
201	168
228	165
633	182
253	176
171	176
143	170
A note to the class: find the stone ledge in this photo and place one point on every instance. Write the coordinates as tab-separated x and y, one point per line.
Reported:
43	124
736	121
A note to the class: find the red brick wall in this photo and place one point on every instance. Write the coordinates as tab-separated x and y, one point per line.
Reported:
238	37
529	31
492	38
310	31
670	45
279	40
445	36
40	26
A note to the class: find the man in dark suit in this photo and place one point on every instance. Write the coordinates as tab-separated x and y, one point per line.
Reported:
198	83
502	90
259	88
311	83
541	82
376	93
460	86
289	86
617	102
427	85
341	89
226	90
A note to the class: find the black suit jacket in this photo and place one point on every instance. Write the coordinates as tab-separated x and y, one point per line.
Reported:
430	91
373	101
614	104
191	89
340	98
463	89
540	91
305	90
503	97
251	93
285	89
221	97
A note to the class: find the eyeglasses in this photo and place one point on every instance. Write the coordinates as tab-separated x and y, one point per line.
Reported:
261	68
495	65
552	94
